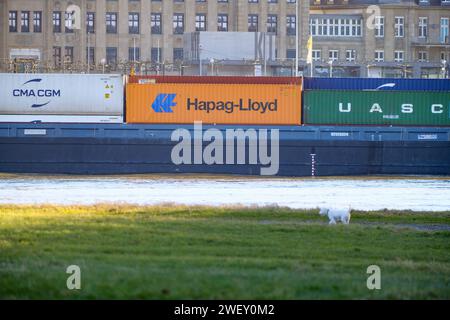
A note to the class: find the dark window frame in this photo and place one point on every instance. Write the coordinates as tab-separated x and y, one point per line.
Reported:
222	22
252	23
176	54
25	21
200	22
111	22
90	22
178	24
111	59
12	21
156	23
272	23
68	16
291	25
133	23
56	21
131	52
37	21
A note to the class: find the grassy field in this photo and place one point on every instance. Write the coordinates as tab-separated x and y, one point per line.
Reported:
172	252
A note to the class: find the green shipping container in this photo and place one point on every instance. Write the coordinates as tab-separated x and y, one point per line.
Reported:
376	107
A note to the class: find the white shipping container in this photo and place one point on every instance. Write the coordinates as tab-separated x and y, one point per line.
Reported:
79	96
53	118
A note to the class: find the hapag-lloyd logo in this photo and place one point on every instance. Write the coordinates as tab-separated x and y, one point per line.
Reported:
27	90
164	102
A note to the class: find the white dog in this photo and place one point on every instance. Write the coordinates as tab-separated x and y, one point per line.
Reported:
336	215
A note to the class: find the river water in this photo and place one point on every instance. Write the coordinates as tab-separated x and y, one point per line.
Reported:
415	193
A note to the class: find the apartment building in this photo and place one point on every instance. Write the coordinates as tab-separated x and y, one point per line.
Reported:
400	38
380	38
113	33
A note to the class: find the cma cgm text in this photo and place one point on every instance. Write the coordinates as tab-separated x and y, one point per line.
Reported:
232	106
36	93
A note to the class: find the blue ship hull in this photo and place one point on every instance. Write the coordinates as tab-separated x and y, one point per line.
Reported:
303	150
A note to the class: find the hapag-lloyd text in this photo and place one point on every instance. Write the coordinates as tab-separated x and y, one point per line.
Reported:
231	106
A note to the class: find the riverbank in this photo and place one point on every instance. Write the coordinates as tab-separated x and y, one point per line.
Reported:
181	252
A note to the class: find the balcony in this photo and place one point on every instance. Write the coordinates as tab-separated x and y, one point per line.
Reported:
430	42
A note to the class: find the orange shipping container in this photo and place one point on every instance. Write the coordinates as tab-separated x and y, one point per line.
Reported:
268	104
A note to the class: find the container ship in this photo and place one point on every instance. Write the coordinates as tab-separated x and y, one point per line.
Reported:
286	126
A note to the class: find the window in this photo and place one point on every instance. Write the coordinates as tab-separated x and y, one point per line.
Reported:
272	23
37	21
314	27
272	1
399	27
253	23
156	23
350	55
290	53
399	56
111	22
379	26
69	21
25	21
379	55
444	31
423	56
57	22
90	22
134	54
291	1
333	27
222	22
253	1
177	54
423	27
56	56
13	21
336	27
290	25
333	55
90	55
68	55
317	55
156	54
178	23
111	56
133	23
200	22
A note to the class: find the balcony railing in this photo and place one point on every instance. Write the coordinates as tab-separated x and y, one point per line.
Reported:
430	41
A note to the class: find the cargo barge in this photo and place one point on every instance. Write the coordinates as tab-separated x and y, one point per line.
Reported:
143	148
328	146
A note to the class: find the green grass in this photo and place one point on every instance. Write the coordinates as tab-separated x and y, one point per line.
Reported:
220	253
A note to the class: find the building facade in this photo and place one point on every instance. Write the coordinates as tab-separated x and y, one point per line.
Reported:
398	38
114	33
380	38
